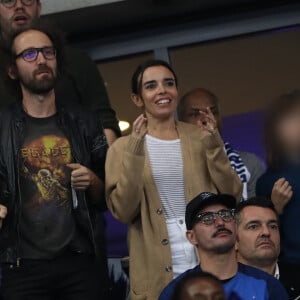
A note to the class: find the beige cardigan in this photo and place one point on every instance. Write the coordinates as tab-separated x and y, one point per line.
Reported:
132	198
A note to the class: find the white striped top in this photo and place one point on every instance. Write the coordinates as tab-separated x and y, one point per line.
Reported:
167	169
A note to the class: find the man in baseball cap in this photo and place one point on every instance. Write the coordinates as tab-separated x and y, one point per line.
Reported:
211	227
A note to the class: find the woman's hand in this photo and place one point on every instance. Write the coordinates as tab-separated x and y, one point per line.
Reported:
3	213
281	194
139	127
207	122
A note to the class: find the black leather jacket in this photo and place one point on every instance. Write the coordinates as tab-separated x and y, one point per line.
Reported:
89	147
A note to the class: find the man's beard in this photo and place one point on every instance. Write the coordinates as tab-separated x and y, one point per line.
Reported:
40	86
8	31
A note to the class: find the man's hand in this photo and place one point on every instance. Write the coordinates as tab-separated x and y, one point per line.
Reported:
281	194
84	179
3	213
81	177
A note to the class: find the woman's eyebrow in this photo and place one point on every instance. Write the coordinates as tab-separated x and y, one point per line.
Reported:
150	81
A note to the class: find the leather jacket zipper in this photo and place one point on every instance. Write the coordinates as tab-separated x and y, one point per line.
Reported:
19	215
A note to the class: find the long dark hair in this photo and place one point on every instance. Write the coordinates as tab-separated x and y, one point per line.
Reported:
279	108
137	77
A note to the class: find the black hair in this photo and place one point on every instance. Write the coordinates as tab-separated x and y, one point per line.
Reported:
179	287
258	201
8	56
137	77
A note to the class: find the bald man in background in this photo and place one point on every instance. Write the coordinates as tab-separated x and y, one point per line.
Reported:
247	165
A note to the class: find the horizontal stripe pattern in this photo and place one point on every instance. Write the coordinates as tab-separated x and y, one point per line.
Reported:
167	169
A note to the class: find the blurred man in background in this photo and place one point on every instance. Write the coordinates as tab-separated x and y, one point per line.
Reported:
247	165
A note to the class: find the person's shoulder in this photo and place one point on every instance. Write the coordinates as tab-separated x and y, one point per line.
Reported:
266	177
273	285
78	114
186	126
10	110
250	159
186	129
167	292
252	271
249	156
120	143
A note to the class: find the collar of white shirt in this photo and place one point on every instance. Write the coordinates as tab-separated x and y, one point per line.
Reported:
276	273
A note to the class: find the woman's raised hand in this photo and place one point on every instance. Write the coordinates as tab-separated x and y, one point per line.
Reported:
139	127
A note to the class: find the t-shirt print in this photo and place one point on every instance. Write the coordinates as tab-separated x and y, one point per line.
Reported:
44	163
47	224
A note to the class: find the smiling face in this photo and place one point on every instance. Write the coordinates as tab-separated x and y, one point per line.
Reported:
19	17
158	96
258	239
218	238
202	288
38	76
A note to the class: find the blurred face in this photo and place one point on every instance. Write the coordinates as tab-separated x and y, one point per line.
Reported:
158	93
18	17
203	289
37	76
258	240
218	237
288	130
199	101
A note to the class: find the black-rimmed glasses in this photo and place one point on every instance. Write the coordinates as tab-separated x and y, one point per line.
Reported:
12	3
31	54
209	217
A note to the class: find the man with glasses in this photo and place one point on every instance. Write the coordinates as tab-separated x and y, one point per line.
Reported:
51	181
81	81
211	227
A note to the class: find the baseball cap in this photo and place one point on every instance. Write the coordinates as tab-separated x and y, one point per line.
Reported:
203	200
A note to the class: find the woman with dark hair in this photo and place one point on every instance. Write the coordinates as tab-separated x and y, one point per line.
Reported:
155	171
281	182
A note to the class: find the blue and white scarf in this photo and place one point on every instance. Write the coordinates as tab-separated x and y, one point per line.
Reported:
238	165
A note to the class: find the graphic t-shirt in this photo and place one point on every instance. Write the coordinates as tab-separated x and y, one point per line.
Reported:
47	225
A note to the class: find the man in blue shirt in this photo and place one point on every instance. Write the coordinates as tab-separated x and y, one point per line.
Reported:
211	227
